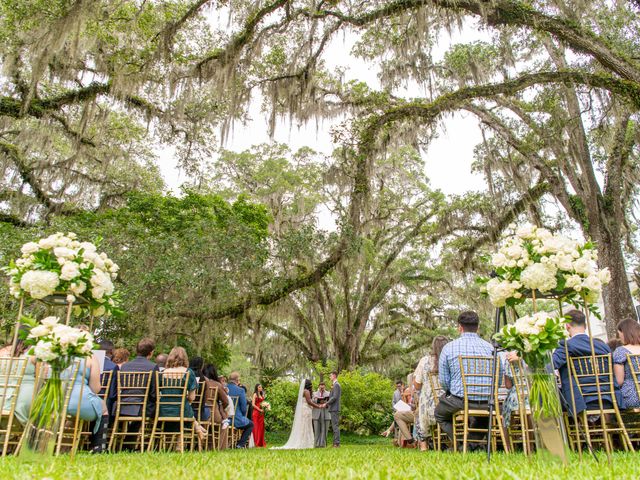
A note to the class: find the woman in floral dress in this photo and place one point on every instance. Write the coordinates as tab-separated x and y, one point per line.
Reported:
428	365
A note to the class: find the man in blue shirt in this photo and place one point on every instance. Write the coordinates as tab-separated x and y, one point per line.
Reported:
240	420
579	345
469	343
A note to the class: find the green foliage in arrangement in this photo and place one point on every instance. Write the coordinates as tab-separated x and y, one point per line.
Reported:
366	403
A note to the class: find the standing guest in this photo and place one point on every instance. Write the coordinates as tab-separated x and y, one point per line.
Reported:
450	375
258	416
161	361
142	363
120	356
320	416
240	420
629	334
220	407
425	417
112	395
579	345
178	367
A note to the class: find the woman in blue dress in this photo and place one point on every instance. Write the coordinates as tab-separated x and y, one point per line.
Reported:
92	408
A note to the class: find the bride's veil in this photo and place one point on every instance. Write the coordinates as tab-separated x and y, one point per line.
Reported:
297	429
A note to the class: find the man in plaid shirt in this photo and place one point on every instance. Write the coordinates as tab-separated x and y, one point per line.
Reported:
468	344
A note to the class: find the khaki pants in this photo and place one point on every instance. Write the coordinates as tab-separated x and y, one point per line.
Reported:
404	421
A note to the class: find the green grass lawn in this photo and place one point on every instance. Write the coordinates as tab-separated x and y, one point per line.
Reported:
369	458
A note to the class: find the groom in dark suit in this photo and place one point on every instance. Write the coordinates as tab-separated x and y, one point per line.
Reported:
579	345
334	408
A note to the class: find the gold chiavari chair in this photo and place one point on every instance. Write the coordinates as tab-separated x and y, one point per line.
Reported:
171	392
12	371
105	386
131	411
234	432
520	427
436	391
71	428
631	416
597	382
198	407
211	401
476	373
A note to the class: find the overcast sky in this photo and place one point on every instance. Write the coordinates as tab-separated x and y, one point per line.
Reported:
449	156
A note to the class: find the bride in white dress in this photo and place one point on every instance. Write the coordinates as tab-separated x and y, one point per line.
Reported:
302	428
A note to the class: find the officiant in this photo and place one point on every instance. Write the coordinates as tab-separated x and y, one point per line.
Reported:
321	416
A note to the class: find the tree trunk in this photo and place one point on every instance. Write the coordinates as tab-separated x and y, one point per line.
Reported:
618	302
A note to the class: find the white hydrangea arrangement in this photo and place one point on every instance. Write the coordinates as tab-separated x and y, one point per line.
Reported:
532	259
54	342
534	337
61	263
57	345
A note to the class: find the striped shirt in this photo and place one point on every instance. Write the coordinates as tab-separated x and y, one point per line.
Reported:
449	366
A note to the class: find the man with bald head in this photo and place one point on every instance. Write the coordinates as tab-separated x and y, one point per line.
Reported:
161	361
240	420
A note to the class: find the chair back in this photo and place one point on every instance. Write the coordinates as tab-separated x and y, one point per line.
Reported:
436	388
133	391
11	374
234	401
171	390
476	372
106	378
211	398
593	382
198	402
519	378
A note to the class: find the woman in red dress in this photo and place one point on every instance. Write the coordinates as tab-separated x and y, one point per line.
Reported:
258	417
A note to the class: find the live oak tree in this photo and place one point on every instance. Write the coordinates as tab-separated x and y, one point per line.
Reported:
89	86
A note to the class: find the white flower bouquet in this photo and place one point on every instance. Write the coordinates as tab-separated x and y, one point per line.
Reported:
532	259
266	406
534	337
63	265
57	345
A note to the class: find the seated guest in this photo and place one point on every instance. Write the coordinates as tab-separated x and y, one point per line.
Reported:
109	366
397	395
219	412
120	356
629	333
178	365
428	365
161	361
142	363
450	375
25	394
240	420
85	392
406	419
196	364
579	345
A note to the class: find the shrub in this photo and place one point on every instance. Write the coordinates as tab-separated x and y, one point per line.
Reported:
366	403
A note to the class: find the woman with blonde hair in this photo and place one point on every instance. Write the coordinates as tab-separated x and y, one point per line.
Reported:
178	365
